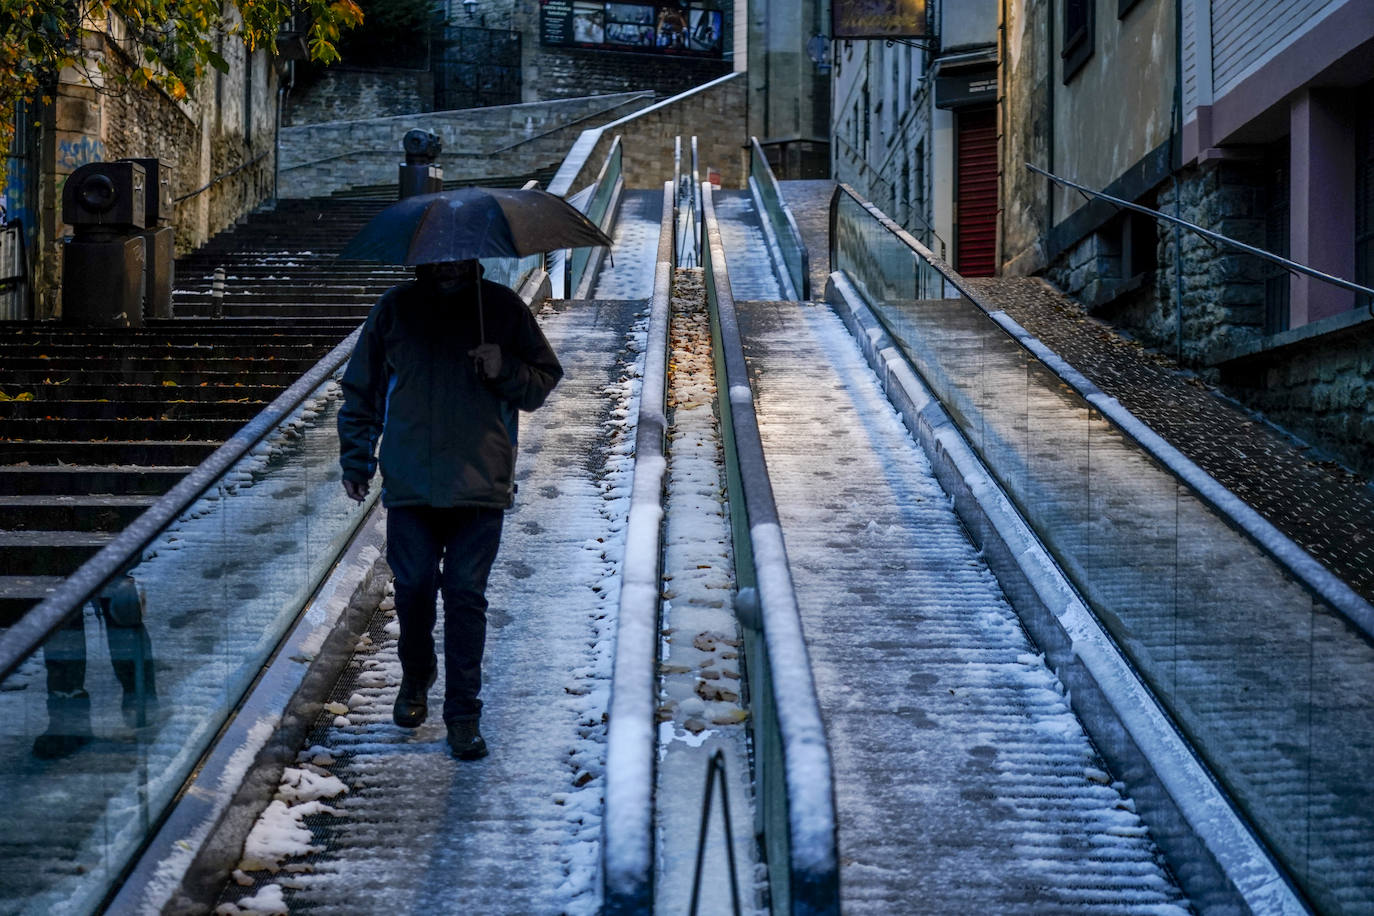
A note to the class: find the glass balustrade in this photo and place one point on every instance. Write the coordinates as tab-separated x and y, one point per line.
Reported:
100	727
1268	682
600	202
784	229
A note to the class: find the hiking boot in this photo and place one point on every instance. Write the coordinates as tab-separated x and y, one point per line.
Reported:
412	700
465	740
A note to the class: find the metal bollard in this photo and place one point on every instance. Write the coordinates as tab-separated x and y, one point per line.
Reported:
217	294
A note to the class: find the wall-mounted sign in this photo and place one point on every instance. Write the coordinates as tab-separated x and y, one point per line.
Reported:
878	19
653	28
963	90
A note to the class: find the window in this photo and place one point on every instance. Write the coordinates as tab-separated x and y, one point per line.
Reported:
1078	35
1139	238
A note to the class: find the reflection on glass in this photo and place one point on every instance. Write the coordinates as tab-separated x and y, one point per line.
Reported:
596	212
1270	684
100	727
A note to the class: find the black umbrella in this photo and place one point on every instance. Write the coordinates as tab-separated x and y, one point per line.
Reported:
472	223
469	223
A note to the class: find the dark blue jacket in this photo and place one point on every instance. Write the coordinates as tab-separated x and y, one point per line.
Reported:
446	434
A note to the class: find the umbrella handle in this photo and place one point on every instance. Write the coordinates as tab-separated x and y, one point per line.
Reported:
481	323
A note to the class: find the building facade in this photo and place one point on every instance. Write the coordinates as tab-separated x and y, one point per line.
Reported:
914	130
1250	119
218	142
484	53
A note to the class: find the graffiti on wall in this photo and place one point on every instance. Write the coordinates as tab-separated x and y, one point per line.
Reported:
73	154
16	199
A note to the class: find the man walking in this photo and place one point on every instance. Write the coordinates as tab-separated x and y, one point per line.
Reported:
440	384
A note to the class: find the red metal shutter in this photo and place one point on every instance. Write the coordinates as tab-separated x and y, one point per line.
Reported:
976	237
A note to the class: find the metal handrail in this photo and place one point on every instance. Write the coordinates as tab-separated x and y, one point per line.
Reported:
598	205
627	848
715	772
794	770
30	632
767	180
688	237
229	174
1217	237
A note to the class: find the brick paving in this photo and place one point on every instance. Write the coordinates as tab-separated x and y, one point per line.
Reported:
1322	506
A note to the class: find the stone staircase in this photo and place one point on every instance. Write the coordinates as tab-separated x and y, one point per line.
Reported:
96	423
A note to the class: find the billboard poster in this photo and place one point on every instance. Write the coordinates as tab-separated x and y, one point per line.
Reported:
651	28
878	19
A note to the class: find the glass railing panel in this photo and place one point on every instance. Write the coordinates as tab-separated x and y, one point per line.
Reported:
596	212
511	272
1267	681
101	726
774	212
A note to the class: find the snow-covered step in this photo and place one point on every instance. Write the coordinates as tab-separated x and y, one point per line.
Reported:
964	781
518	832
752	272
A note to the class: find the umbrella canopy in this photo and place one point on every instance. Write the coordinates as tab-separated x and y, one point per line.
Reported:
472	223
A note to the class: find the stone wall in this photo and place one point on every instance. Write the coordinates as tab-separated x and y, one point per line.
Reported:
1223	290
559	73
226	123
340	93
713	113
1321	389
1317	385
479	143
1025	138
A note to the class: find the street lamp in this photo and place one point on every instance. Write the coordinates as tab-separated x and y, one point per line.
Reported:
470	7
818	49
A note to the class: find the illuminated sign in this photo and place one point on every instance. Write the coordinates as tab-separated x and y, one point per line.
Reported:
878	19
653	28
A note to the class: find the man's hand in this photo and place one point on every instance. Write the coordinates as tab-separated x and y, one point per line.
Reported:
356	490
487	358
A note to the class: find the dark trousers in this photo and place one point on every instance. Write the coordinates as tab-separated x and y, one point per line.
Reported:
433	550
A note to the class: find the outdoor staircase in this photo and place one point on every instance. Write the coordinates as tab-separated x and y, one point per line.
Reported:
96	423
387	192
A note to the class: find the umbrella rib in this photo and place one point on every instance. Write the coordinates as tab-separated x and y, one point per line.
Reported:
419	226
